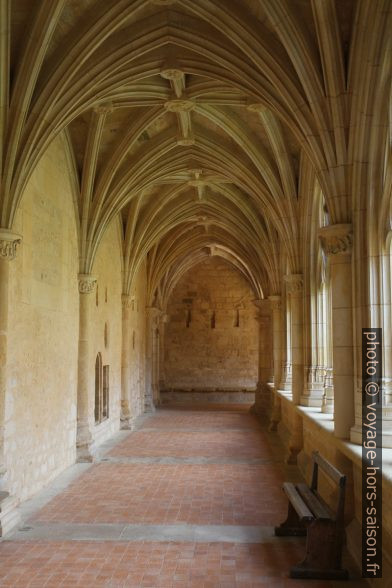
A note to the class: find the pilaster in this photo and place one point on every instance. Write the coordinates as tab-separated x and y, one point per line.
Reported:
276	310
9	242
294	286
262	405
84	439
337	241
125	415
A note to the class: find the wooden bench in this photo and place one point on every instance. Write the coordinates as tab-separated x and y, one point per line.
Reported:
309	515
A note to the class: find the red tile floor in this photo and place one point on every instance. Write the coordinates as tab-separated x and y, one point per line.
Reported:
229	493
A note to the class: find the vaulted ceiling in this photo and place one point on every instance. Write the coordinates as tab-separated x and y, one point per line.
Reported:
205	125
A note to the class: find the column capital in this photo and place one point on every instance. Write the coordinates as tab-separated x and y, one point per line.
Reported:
294	283
164	317
336	239
86	283
276	301
127	301
153	312
9	242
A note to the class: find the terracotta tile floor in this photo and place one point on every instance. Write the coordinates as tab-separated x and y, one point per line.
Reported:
194	494
203	565
243	443
204	494
193	419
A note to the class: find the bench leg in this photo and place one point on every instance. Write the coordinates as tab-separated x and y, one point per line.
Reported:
292	526
323	553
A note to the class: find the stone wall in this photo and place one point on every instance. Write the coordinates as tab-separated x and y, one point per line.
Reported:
40	424
211	339
107	326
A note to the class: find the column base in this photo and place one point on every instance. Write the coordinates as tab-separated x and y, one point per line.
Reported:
149	406
85	454
9	513
126	423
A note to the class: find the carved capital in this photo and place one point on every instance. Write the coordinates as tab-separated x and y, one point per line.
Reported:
8	244
336	239
179	105
294	283
87	283
127	301
153	312
276	302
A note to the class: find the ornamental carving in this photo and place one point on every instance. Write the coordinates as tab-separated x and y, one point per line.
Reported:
276	302
104	108
87	283
336	239
8	244
128	301
179	105
294	283
172	74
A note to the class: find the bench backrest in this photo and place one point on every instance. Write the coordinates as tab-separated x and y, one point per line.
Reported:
335	475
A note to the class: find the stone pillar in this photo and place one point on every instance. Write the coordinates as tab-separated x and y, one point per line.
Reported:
9	516
275	302
337	243
295	289
164	319
262	403
152	344
285	381
327	405
125	418
84	440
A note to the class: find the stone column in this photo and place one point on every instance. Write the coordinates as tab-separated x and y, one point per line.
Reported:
125	418
164	319
150	397
276	307
337	243
295	289
9	516
85	418
285	381
262	403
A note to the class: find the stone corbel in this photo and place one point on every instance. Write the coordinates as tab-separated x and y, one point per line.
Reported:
336	239
8	244
87	283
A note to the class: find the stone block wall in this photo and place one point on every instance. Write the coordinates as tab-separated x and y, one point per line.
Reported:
40	427
211	339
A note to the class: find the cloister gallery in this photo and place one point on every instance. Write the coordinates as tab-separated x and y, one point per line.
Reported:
195	210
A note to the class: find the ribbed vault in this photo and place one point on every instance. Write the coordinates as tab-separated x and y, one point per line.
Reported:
203	125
